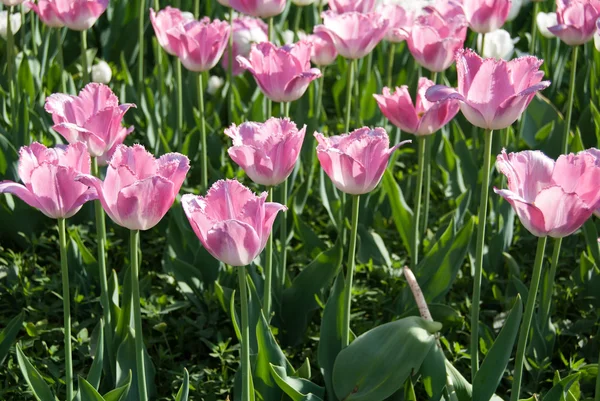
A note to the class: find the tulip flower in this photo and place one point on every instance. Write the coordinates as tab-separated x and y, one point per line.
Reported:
282	73
94	117
138	189
48	177
199	44
400	20
258	8
246	32
323	50
354	34
493	93
422	118
15	23
597	36
101	72
497	44
544	21
436	36
355	162
78	15
515	8
267	151
11	3
576	20
486	16
164	20
346	6
214	84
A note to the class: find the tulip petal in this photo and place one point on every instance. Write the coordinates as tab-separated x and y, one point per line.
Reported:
296	87
97	184
233	242
564	213
143	204
527	172
440	93
511	109
579	174
530	216
20	191
398	108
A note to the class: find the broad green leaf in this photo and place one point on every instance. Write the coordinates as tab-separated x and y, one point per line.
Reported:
304	371
296	388
86	255
26	84
88	392
95	373
376	364
433	373
401	212
36	382
120	393
493	366
460	387
182	394
560	390
9	334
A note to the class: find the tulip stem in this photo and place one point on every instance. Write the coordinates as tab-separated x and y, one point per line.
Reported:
483	203
350	272
61	61
548	286
526	323
349	82
230	69
104	298
597	394
245	333
270	33
179	132
62	239
197	9
141	12
420	173
532	44
137	315
12	79
427	189
320	96
297	18
161	77
204	171
268	269
565	143
283	233
85	73
390	66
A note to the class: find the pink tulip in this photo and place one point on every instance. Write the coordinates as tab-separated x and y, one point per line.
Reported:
576	20
486	15
46	11
258	8
266	151
346	6
163	21
323	49
138	189
199	44
493	93
78	15
94	117
424	118
400	20
436	36
232	223
355	162
354	34
551	198
246	31
282	73
49	182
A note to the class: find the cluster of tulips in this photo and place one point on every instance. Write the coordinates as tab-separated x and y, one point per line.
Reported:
136	190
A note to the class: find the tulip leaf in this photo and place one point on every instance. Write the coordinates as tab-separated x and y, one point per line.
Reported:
296	388
299	299
433	373
330	341
560	390
9	334
88	392
95	373
376	364
401	212
34	379
460	387
120	393
493	366
184	390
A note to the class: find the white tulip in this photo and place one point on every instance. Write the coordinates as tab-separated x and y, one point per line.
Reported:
214	84
497	44
11	2
101	72
515	7
288	37
544	21
597	40
15	23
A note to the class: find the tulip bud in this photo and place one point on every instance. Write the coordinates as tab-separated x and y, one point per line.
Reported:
497	44
515	7
287	37
15	23
214	84
101	72
544	21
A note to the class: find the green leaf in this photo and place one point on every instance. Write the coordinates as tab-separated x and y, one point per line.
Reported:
433	373
36	382
401	212
9	334
376	364
560	390
296	388
88	392
492	369
299	299
330	341
86	255
120	393
95	373
26	84
182	394
460	387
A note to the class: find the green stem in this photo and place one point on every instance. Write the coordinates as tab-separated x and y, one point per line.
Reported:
12	81
565	142
32	26
320	95
271	33
179	132
230	69
548	286
85	73
427	189
62	238
350	272
482	43
358	120
483	203
526	323
137	315
204	171
197	9
390	66
161	79
417	206
283	233
297	18
268	269
534	33
349	83
104	297
141	14
61	60
245	333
